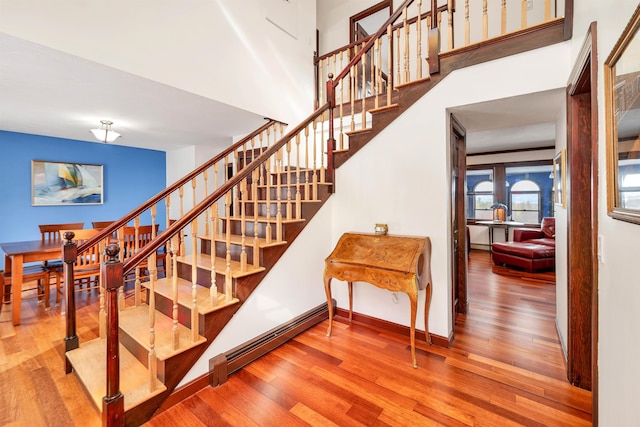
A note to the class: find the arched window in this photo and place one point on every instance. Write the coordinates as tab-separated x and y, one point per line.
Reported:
524	200
481	199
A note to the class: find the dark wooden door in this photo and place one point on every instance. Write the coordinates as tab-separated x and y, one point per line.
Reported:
458	219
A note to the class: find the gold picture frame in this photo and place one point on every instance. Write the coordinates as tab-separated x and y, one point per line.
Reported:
622	103
559	180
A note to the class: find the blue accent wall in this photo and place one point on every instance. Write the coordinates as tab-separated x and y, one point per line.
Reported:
130	177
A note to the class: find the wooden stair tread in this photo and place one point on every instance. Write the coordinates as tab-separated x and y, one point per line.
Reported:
164	287
237	240
358	131
88	362
135	322
204	261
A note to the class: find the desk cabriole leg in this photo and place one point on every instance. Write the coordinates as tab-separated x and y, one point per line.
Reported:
327	290
413	299
427	304
350	285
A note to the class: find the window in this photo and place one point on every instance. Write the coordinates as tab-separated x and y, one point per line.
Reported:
524	200
480	195
525	187
629	187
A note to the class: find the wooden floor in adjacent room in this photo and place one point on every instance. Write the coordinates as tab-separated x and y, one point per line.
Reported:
505	368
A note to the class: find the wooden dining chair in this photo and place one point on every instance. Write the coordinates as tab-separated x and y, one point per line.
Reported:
99	225
36	274
51	233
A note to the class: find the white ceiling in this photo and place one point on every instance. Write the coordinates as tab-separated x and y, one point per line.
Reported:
51	93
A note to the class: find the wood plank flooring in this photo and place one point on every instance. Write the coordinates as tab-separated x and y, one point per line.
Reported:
505	368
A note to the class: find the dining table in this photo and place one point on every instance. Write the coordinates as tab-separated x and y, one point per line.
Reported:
16	255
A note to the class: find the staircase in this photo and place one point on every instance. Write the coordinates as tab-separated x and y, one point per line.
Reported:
230	231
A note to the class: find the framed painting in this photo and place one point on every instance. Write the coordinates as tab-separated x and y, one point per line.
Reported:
559	180
57	183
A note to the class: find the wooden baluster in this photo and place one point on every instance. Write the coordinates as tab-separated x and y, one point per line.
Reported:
341	84
123	255
356	73
193	193
289	206
324	78
181	193
243	227
352	80
256	248
547	10
214	208
407	73
213	289
307	169
398	55
323	170
450	26
389	63
279	155
321	91
194	281
419	41
315	151
298	197
376	75
136	247
268	199
363	92
228	280
102	315
523	14
205	176
152	263
260	178
373	67
503	17
174	287
485	21
69	256
335	64
168	263
467	28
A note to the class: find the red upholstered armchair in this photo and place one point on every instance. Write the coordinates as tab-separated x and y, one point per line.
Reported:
532	250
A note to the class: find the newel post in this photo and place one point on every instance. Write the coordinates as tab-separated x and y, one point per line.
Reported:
69	255
434	40
111	279
331	142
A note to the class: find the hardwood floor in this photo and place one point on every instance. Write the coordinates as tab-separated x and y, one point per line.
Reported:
505	368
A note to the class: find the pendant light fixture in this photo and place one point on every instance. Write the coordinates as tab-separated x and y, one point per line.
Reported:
105	133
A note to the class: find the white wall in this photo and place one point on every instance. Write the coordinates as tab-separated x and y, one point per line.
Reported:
225	50
292	287
401	177
618	286
560	213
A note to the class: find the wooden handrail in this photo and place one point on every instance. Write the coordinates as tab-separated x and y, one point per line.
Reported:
174	228
173	187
